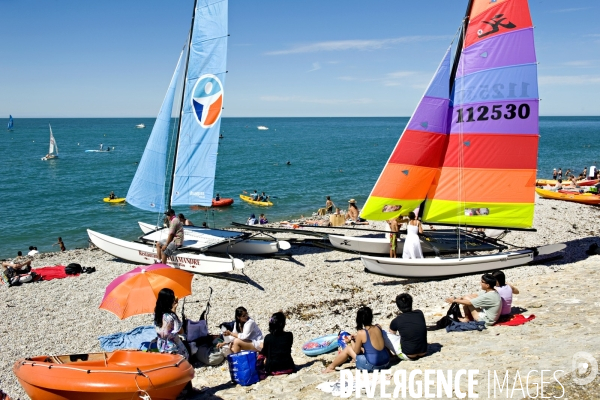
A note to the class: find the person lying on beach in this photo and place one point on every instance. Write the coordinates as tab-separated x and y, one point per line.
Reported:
411	326
246	334
22	266
485	306
277	347
505	290
368	348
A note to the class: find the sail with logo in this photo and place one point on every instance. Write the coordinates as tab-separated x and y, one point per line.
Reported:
197	137
469	151
186	177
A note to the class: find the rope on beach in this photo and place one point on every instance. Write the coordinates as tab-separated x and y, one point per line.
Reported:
89	371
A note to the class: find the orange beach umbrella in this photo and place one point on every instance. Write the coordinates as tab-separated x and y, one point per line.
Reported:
136	291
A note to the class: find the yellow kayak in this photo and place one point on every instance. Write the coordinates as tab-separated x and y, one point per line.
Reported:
576	197
117	200
248	199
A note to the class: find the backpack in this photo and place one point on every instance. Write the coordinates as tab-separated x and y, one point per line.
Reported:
73	269
209	355
453	314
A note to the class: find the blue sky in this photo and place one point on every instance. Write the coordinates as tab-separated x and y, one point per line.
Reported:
286	58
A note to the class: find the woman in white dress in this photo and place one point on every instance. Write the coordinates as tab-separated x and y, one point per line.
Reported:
412	243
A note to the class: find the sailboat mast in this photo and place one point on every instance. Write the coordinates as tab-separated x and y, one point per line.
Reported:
187	60
459	46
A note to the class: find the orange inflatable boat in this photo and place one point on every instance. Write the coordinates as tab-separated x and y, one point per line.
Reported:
120	375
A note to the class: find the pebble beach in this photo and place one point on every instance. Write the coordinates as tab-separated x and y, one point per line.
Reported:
320	290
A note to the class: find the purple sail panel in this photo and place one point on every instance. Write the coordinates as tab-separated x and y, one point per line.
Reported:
512	48
506	83
438	87
512	116
430	115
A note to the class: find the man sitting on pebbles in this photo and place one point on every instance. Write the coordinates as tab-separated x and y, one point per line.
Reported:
485	306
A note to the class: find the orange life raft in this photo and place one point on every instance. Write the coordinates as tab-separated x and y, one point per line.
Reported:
120	375
223	202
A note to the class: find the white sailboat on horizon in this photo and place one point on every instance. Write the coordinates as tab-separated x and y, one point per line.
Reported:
53	149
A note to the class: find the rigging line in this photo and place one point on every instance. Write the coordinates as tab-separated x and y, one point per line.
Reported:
211	4
213	38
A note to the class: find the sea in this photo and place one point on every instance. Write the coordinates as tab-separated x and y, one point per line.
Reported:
297	161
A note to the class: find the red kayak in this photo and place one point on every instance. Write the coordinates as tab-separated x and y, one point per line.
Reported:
222	203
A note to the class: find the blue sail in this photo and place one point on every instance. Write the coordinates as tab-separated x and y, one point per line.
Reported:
10	122
194	172
147	190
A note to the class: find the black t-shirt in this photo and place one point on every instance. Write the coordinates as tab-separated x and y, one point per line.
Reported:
278	350
413	331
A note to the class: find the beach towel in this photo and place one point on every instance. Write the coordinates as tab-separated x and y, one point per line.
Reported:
465	326
127	340
514	320
49	273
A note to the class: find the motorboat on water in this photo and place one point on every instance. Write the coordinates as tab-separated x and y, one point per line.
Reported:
140	126
262	128
118	375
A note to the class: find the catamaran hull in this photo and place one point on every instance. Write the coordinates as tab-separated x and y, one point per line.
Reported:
248	246
436	267
444	242
146	254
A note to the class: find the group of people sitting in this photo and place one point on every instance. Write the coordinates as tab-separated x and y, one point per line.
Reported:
259	197
252	220
245	335
371	347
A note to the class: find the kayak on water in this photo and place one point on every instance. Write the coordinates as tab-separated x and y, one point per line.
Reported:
115	200
248	199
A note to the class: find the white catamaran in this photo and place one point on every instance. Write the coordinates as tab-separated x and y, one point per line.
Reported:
469	151
202	68
53	150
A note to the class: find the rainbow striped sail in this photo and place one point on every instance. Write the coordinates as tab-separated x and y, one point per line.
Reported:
486	174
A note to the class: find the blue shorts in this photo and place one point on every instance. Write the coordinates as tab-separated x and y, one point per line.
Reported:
362	363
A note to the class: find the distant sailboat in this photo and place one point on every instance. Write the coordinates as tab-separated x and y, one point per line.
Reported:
10	123
53	150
